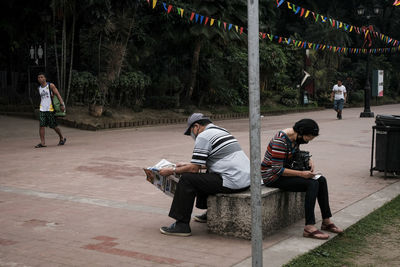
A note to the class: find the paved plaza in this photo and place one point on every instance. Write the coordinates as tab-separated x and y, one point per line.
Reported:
88	204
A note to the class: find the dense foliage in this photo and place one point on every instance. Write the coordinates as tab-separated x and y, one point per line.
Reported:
124	53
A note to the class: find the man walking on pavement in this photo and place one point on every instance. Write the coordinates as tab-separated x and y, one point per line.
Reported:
228	171
46	113
339	95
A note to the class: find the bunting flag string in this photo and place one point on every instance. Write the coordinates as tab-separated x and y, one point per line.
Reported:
195	17
338	24
198	18
323	47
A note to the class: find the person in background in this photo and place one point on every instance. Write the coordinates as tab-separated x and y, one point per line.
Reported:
46	113
338	96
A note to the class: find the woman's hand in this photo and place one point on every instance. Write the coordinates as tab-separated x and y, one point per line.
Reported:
307	174
311	164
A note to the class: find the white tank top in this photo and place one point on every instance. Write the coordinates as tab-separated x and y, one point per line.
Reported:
45	100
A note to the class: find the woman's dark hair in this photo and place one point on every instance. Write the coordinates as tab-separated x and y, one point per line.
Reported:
306	127
42	73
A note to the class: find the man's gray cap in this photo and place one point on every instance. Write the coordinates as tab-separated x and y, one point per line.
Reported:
195	117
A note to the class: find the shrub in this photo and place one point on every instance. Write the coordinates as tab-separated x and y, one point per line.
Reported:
131	86
289	97
83	87
161	102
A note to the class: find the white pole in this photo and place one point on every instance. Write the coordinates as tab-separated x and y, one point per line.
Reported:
255	125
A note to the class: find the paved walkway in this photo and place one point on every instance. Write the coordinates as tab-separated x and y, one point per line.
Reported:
87	203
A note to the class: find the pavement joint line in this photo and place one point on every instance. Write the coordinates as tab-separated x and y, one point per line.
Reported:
288	249
84	200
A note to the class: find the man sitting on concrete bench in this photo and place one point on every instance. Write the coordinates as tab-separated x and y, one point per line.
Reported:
228	171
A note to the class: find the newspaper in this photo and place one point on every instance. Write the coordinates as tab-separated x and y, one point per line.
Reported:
167	184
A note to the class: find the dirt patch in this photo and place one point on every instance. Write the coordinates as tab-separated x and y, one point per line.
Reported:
382	249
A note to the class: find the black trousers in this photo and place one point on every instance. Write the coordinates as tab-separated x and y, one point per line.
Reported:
315	189
197	186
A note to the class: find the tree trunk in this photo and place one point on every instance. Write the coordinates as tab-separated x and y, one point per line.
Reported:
55	47
124	48
71	55
195	67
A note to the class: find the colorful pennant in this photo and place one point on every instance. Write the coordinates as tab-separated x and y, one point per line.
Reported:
335	23
367	32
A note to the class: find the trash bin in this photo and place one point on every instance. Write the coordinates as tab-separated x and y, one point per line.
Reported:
387	150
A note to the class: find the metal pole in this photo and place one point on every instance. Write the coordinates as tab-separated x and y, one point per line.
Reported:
255	125
367	95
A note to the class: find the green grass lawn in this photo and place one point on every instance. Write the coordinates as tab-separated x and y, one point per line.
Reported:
377	233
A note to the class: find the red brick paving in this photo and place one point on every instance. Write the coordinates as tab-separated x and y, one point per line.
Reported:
53	201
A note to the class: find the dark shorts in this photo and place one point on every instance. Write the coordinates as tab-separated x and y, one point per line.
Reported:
338	104
47	119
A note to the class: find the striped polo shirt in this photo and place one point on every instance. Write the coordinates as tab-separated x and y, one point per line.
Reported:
278	151
217	149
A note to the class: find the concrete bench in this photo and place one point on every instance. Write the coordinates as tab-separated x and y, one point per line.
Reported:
230	214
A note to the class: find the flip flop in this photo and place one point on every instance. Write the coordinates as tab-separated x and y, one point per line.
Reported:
39	146
62	142
314	234
331	228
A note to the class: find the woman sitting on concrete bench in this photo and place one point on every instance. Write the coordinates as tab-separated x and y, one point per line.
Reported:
276	172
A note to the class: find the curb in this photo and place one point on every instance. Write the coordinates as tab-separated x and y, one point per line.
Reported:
150	122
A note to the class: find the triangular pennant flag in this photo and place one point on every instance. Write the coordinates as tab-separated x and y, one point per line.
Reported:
212	21
148	1
169	8
205	22
225	25
154	3
241	30
219	23
302	12
279	2
201	19
196	17
307	13
263	35
237	28
230	27
192	16
165	6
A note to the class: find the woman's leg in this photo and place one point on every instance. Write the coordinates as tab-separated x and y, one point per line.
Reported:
299	184
323	198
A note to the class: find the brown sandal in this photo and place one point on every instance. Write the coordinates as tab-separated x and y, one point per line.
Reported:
331	228
314	234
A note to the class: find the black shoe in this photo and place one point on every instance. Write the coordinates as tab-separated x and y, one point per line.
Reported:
337	115
340	116
201	218
62	142
177	229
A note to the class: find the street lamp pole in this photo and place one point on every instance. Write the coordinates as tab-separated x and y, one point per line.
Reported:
362	12
367	94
